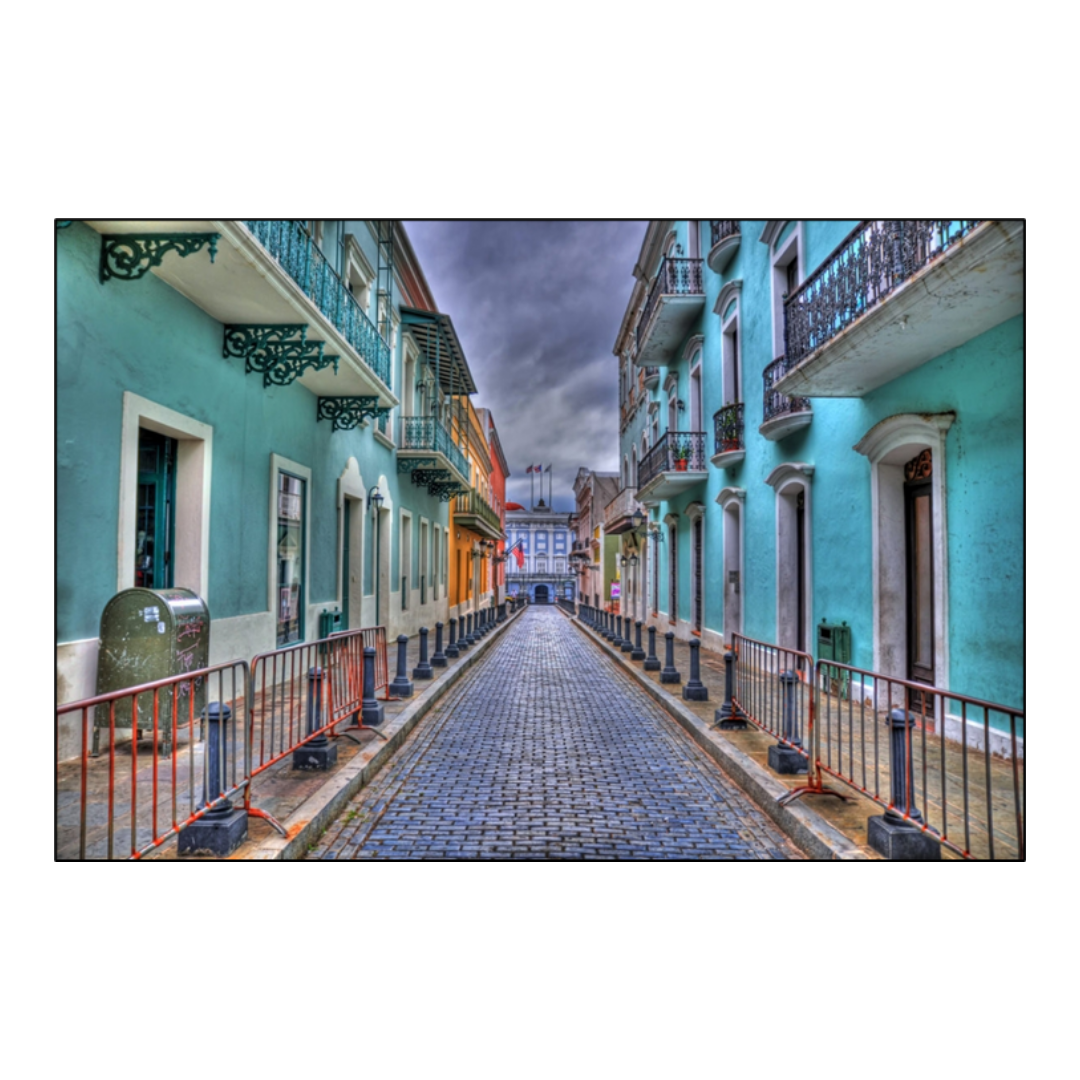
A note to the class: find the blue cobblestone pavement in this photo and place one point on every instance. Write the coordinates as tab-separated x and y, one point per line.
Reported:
546	751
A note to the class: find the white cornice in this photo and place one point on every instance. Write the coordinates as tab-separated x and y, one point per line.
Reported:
788	471
904	427
771	231
731	493
731	291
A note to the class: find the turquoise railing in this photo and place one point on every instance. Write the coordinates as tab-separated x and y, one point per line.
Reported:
294	249
426	433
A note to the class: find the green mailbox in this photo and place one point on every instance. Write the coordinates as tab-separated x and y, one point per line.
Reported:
834	643
329	622
146	635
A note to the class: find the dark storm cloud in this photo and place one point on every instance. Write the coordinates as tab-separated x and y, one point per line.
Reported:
537	306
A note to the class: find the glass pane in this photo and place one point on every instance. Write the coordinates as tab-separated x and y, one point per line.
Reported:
290	558
924	603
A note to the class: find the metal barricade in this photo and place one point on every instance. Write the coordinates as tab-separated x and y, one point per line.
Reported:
374	637
781	706
970	799
150	798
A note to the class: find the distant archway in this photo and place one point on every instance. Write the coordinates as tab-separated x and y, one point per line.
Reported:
542	594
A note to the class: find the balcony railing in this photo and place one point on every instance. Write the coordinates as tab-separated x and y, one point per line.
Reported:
426	433
721	230
871	263
777	404
471	502
621	508
677	277
676	451
290	243
728	429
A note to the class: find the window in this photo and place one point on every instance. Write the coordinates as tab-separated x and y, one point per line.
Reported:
290	550
155	511
786	277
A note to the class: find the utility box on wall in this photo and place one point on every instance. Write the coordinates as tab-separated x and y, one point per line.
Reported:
329	622
834	643
146	635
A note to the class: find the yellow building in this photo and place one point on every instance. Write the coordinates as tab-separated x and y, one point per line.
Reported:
475	529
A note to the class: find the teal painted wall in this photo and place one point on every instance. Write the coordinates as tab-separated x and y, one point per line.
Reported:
144	337
982	382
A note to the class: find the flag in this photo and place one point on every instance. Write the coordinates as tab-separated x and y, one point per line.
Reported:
528	470
520	558
548	469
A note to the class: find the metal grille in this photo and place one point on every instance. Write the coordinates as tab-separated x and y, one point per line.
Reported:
672	447
728	428
777	404
677	277
873	260
721	230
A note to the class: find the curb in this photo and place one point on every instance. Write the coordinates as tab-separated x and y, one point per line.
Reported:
812	834
316	812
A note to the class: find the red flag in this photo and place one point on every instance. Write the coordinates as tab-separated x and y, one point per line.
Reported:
520	558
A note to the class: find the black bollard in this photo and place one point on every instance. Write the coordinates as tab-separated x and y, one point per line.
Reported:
652	661
627	644
695	689
452	649
371	709
470	623
502	612
670	673
423	669
222	830
891	834
639	652
401	687
316	753
463	633
729	716
439	659
783	757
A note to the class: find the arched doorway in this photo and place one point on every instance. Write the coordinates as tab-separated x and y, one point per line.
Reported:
542	595
731	501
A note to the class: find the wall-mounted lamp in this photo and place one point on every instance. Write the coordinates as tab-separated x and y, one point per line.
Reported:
638	519
375	498
633	560
680	405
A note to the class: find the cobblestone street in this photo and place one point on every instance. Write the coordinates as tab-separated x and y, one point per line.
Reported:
545	751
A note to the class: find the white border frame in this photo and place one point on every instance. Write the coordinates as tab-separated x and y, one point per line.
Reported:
279	464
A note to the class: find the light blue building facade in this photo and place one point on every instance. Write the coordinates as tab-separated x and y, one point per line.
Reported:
259	411
835	436
544	539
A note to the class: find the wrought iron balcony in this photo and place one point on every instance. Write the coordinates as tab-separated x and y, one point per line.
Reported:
895	294
728	445
675	463
652	378
726	237
473	512
295	250
619	513
425	433
676	297
782	414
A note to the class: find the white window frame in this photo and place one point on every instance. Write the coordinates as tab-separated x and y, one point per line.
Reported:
787	481
194	459
405	555
790	250
278	465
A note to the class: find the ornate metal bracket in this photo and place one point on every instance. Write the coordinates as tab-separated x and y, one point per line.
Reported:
439	482
409	464
130	257
349	412
271	351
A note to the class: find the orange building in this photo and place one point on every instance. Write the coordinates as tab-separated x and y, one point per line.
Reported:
475	526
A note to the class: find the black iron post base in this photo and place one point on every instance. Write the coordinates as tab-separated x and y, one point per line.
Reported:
218	836
423	670
730	718
785	761
453	651
900	842
690	692
311	756
401	687
652	663
372	714
670	675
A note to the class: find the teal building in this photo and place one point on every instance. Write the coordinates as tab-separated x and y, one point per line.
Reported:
261	411
827	427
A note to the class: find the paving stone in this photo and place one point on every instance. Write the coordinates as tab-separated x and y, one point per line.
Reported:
546	750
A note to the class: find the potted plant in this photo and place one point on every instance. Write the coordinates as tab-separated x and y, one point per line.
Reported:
682	458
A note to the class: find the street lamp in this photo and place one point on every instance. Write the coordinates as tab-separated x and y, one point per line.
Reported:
375	501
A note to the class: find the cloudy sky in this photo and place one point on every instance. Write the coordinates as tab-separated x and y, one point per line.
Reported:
537	305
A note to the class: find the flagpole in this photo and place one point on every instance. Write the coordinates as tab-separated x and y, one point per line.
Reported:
532	489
